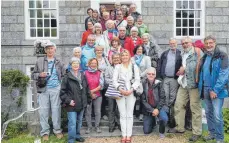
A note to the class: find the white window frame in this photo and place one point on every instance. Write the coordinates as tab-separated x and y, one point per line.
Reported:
96	3
29	88
202	20
27	21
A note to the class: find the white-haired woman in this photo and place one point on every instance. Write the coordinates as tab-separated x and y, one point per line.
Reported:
124	72
130	24
77	52
132	41
109	34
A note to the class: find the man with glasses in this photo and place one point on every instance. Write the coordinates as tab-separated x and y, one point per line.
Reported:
168	66
86	33
122	35
154	103
212	87
119	20
188	79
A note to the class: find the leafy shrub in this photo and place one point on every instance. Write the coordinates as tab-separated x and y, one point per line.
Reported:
226	120
14	129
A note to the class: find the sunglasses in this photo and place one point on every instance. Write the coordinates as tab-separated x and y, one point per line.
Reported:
150	74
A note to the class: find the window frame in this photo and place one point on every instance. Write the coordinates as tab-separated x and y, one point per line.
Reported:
27	21
202	20
96	3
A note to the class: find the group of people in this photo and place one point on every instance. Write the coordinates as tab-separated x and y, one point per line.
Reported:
118	54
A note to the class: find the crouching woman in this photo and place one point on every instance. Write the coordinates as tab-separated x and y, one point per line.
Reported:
154	103
74	95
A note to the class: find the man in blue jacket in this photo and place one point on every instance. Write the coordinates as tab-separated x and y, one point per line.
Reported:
212	87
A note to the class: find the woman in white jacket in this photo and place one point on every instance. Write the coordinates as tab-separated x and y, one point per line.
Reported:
129	73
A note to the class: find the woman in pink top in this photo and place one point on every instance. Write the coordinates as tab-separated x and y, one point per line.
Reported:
95	82
115	48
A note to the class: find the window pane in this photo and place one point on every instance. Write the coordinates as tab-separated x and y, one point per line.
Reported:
46	13
184	14
39	22
53	23
191	4
191	14
33	32
178	4
32	4
185	22
197	31
32	13
46	23
197	14
191	22
197	22
184	31
178	31
47	32
54	33
53	13
52	4
178	14
178	22
39	32
32	23
198	4
191	31
38	3
39	13
45	4
185	4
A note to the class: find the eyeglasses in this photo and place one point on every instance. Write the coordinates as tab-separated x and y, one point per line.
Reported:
185	43
119	13
150	74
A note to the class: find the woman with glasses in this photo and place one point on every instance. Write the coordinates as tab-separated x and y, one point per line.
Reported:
129	74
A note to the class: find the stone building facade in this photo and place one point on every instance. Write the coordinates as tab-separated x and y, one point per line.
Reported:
159	16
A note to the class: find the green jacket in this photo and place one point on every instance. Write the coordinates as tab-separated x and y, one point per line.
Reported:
142	29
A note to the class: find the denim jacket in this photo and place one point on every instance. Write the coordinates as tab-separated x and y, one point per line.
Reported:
190	70
219	71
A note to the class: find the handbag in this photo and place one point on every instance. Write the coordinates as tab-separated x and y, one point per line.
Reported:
112	92
139	89
42	81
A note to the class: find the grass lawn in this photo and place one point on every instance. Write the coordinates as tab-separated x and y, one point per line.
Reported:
170	138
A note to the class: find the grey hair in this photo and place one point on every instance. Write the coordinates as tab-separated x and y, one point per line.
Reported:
121	27
109	21
77	48
134	29
91	36
151	69
171	39
97	25
130	17
146	34
187	38
134	5
210	37
74	59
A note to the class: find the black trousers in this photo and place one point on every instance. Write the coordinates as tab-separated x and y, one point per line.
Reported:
113	113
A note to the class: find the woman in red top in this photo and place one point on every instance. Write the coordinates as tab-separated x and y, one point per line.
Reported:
115	48
132	41
86	33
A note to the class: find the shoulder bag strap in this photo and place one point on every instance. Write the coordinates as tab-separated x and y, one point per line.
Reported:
52	69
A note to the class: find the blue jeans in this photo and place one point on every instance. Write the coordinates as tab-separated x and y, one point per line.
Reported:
214	115
74	125
149	122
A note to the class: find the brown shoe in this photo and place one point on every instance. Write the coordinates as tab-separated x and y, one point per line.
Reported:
59	135
45	138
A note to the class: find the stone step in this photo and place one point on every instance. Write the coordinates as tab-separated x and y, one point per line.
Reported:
106	122
137	131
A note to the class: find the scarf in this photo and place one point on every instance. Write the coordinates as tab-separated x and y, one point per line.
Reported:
92	70
151	99
78	78
138	59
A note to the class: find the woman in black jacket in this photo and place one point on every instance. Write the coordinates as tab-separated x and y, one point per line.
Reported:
74	95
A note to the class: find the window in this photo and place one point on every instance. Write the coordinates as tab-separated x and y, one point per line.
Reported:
41	17
189	18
